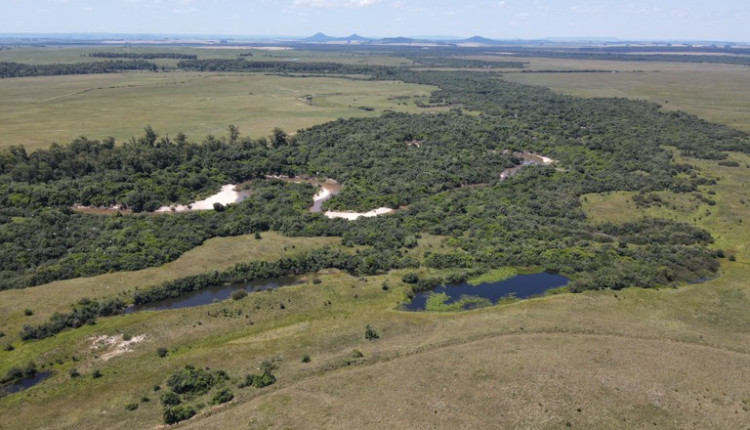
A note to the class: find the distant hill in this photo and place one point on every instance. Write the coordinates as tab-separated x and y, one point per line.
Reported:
357	38
319	38
480	39
324	38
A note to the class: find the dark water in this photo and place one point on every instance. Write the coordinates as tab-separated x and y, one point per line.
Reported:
24	383
519	286
212	294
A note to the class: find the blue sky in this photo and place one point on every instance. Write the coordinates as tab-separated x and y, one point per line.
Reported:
502	19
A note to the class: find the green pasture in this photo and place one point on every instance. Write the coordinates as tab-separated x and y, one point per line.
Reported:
37	111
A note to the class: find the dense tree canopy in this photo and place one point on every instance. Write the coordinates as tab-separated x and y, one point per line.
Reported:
441	170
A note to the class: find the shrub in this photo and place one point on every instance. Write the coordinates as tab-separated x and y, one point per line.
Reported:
9	347
264	380
410	278
131	406
238	294
306	358
191	380
170	398
370	333
161	352
28	312
222	396
178	413
97	374
74	373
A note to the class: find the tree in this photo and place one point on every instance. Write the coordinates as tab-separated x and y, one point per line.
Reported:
149	136
278	137
234	133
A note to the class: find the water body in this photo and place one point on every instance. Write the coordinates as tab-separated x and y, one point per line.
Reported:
212	294
519	286
25	383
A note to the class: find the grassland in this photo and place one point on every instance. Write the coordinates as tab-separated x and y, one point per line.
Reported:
38	111
636	358
68	54
715	92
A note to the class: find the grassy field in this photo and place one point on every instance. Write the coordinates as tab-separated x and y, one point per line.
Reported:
38	111
716	92
636	358
214	254
67	54
674	358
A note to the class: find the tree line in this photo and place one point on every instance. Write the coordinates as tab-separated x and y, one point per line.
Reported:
20	70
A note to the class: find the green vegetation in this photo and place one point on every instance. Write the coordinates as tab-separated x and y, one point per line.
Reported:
495	275
436	302
637	197
199	104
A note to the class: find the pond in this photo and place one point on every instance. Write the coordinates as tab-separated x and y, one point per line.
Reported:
25	383
212	294
467	296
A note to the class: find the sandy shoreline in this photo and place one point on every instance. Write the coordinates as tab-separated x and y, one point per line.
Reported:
351	216
226	196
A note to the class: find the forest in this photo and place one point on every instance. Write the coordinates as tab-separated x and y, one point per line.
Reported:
532	219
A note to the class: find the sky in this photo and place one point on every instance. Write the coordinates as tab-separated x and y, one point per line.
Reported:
718	20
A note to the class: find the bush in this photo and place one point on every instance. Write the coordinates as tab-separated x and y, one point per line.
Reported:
191	380
238	294
170	398
9	347
161	352
222	396
306	358
131	406
97	374
28	312
264	380
410	278
370	333
178	413
74	373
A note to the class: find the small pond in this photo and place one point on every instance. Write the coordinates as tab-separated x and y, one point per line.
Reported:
519	286
27	382
212	294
